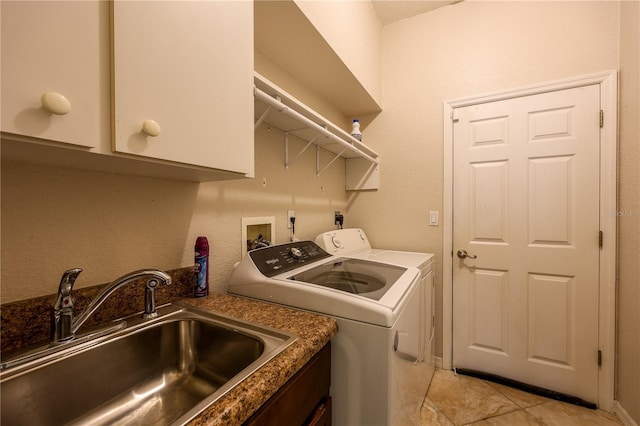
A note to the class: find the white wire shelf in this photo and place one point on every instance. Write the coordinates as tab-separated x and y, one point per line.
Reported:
279	109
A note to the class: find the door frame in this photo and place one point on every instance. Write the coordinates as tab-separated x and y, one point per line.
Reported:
608	81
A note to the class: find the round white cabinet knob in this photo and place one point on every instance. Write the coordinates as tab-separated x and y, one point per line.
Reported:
151	128
55	103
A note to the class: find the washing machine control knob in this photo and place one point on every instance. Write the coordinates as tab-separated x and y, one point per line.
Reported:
336	242
295	252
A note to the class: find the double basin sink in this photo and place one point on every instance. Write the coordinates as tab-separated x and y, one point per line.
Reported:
163	371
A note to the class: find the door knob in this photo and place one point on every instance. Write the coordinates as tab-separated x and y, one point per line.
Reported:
462	254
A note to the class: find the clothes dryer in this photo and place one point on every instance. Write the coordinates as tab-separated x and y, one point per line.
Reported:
353	243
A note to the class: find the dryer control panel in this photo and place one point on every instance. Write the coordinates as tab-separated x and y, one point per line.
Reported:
275	260
342	242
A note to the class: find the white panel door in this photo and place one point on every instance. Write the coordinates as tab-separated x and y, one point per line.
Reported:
526	205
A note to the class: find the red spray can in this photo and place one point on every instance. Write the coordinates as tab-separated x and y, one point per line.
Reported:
201	267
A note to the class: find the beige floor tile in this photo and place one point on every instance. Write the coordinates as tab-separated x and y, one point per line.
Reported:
461	400
519	418
557	413
465	399
430	415
408	415
521	398
411	383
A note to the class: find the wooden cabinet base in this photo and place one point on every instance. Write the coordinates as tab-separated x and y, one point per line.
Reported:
303	400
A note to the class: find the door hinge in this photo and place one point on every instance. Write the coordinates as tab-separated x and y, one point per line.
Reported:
454	116
599	358
601	119
600	238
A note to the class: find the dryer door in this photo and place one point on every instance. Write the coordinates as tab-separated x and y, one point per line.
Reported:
408	326
411	376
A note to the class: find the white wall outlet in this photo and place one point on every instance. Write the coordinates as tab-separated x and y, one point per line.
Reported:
290	214
434	218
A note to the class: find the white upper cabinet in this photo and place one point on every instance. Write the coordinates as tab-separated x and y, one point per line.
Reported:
331	48
53	61
182	82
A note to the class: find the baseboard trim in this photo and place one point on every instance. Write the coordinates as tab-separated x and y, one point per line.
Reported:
622	414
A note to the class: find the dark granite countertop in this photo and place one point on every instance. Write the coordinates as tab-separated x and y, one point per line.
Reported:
25	324
313	331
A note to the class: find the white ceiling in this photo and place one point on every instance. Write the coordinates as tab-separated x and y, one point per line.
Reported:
394	10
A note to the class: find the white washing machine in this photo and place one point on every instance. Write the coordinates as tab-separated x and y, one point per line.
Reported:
377	371
354	243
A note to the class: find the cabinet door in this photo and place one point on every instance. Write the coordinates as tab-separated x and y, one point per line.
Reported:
60	47
188	67
303	400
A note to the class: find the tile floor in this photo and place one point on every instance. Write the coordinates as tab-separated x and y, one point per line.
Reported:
462	400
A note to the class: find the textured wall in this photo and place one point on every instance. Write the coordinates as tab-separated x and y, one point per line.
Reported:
220	206
469	48
54	219
628	324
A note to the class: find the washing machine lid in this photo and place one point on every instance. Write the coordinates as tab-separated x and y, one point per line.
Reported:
365	278
268	274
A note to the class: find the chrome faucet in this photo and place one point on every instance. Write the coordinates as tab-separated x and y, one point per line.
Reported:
63	324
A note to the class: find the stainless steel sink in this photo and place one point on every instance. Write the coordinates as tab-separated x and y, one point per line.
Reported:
161	372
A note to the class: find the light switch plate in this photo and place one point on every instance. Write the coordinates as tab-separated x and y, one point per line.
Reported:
434	218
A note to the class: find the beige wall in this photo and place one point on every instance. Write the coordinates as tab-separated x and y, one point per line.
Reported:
478	47
108	224
628	324
56	219
462	50
281	78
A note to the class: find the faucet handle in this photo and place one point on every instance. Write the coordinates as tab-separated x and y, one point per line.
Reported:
70	276
65	298
62	313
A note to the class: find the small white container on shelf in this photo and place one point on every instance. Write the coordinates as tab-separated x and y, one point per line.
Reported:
355	130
